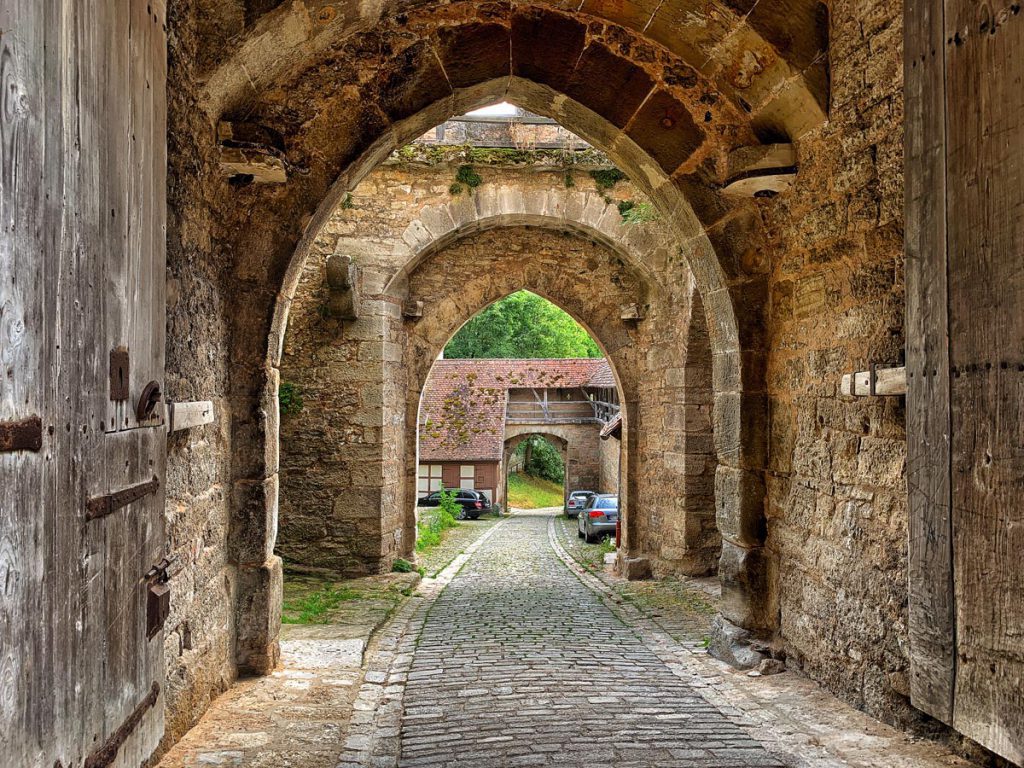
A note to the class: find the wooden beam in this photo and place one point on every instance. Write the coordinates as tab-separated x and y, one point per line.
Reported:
262	165
181	416
760	171
888	381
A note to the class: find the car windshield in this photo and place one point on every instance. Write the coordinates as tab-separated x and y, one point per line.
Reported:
607	504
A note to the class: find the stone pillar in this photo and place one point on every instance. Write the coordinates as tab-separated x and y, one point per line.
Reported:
254	528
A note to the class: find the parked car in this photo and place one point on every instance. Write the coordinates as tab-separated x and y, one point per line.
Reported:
599	517
577	500
473	503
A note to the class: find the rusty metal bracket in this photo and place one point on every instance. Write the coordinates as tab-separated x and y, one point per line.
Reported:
22	435
107	752
151	395
158	597
119	365
101	506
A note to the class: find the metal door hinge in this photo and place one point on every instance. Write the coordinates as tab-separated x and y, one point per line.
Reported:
107	752
101	506
22	435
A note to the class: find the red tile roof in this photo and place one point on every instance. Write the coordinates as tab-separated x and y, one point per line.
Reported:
462	416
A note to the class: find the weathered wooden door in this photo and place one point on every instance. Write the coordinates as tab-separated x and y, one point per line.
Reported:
964	77
82	260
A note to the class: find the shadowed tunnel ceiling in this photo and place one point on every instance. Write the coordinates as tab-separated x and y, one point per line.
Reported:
681	79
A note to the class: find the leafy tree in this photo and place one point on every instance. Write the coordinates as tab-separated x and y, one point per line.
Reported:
541	459
522	325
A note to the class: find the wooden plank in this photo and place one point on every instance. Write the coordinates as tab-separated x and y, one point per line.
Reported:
985	118
931	613
181	416
888	381
63	167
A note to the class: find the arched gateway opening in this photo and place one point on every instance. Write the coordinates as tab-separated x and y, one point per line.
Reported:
573	246
671	140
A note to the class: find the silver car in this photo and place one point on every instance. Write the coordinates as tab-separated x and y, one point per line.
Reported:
598	518
577	500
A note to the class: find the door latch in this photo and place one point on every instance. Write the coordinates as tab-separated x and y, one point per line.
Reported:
158	599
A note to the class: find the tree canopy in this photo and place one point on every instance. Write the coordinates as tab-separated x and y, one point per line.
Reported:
522	325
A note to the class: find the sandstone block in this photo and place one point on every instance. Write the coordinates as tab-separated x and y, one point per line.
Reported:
748	588
258	616
739	506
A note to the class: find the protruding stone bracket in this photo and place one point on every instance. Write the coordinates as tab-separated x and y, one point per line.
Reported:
631	313
412	310
875	382
761	171
252	151
343	284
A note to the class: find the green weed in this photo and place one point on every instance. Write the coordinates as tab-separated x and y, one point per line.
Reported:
312	608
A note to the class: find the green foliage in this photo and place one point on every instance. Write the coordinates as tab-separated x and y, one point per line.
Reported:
289	398
466	175
431	527
312	608
401	565
526	492
606	178
607	545
522	325
633	212
569	180
541	459
346	202
455	189
448	505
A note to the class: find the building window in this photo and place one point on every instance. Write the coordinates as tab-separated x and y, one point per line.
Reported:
430	478
467	476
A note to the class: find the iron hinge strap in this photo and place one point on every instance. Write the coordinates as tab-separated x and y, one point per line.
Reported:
107	753
101	506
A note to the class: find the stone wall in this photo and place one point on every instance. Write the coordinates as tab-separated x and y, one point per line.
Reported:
609	482
336	450
200	632
836	482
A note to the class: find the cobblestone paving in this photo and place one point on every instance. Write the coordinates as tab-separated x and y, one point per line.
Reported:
518	664
453	542
682	606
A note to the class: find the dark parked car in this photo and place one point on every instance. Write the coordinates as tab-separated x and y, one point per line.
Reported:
599	517
577	500
473	503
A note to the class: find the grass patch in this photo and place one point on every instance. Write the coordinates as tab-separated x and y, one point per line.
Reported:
313	608
529	492
607	545
431	526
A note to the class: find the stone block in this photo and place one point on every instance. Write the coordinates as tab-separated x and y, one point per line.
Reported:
633	568
253	520
749	597
258	616
741	429
739	506
731	644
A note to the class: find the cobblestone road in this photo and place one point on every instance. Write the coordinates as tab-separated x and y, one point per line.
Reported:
519	664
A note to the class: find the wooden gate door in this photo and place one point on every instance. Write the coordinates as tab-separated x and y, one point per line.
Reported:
964	79
82	273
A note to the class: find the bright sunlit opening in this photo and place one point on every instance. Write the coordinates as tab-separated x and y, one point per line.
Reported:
503	109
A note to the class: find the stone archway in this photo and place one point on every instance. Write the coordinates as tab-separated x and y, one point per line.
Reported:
673	153
579	446
556	441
